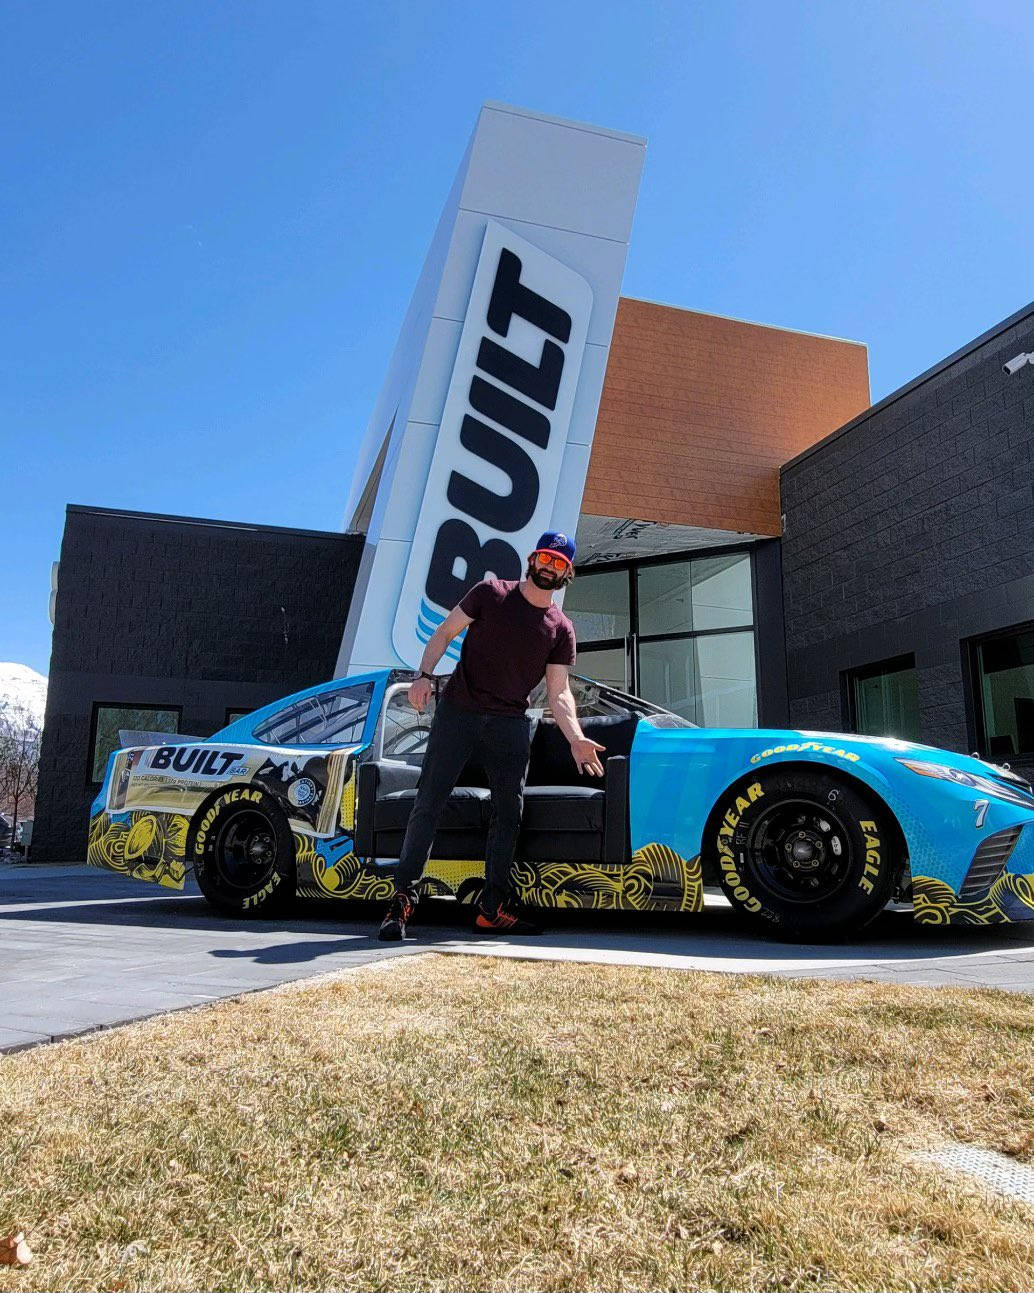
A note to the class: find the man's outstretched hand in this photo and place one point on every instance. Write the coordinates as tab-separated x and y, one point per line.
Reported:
586	754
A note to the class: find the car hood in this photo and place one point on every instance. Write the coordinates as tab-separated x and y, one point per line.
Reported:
895	748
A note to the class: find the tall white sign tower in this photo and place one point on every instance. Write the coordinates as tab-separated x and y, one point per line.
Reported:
481	436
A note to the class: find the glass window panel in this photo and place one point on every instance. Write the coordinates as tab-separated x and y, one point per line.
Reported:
1006	676
597	605
603	664
110	719
722	592
887	703
328	718
702	593
709	680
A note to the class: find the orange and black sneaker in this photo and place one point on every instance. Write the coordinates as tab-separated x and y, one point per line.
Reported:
393	926
503	922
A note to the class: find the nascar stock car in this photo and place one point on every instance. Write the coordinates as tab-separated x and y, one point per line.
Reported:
810	835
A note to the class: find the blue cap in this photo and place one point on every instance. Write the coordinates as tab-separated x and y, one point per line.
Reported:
555	541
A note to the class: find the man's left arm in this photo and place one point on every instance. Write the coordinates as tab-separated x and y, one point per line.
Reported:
561	702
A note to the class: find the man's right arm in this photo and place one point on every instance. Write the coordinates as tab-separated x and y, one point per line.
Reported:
452	626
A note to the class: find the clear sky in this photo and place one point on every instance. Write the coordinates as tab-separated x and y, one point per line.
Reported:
213	214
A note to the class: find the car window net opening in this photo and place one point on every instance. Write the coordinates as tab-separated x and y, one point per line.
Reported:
404	730
325	718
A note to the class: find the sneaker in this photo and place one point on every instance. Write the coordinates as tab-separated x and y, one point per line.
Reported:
503	922
393	926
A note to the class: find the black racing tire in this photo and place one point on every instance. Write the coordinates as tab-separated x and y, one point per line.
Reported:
242	851
804	854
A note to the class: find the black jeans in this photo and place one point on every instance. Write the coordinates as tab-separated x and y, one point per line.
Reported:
501	744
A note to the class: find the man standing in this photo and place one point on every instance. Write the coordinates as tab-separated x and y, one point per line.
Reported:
515	635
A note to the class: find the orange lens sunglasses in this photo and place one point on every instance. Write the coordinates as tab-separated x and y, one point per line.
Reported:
544	559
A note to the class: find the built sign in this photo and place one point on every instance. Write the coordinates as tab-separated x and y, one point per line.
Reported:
482	434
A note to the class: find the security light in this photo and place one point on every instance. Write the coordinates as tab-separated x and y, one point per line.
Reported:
1014	365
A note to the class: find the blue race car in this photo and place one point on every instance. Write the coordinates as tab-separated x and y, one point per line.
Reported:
809	834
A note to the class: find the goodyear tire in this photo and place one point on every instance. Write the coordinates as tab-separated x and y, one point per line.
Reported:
243	853
804	854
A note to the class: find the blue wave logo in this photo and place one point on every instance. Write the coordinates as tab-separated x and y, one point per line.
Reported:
428	621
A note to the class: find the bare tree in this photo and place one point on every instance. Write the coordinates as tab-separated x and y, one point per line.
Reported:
19	759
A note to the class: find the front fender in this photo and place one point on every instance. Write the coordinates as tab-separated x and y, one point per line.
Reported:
677	776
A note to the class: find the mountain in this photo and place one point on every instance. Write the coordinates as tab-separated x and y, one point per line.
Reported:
24	689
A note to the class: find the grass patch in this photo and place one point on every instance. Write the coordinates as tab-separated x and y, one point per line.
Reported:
468	1123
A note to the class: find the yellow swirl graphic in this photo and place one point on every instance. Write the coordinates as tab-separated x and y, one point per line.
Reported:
146	846
347	877
937	903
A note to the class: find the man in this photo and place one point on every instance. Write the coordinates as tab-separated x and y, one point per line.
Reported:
515	634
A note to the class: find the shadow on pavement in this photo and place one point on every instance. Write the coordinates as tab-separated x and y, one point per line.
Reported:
98	900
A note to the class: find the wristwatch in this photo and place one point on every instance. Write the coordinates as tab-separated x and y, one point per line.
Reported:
430	676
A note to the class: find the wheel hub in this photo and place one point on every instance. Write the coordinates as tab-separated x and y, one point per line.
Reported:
804	852
259	849
798	850
245	850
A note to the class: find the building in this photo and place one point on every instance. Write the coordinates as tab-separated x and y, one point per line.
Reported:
908	559
166	623
757	546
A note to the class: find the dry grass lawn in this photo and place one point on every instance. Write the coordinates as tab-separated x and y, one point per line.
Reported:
459	1123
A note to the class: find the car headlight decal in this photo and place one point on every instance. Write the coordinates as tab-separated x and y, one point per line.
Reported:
972	780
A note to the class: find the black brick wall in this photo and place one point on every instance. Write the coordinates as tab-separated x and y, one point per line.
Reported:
912	529
168	611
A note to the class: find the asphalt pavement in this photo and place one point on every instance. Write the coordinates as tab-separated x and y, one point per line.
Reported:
82	949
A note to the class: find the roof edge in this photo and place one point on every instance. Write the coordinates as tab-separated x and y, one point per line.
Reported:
165	518
750	323
942	364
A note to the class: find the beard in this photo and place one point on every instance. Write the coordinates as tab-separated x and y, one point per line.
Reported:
548	580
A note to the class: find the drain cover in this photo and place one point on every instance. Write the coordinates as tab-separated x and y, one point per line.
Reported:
998	1172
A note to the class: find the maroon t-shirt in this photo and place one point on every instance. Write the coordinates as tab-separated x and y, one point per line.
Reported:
507	648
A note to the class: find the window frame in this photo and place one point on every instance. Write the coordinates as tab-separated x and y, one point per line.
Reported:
901	663
631	644
976	718
95	709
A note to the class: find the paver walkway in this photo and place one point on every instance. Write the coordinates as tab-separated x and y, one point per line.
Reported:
83	949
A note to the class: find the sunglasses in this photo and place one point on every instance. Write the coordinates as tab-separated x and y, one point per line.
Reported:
551	560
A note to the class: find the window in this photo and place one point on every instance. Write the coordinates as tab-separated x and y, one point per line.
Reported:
1003	668
608	665
109	720
687	596
232	715
883	699
709	679
598	605
327	718
677	632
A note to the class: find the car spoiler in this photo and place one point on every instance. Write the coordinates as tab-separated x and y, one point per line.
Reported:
129	738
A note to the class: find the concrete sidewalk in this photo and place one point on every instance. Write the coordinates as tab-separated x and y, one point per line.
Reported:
82	949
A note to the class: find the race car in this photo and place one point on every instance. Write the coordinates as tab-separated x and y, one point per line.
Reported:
809	834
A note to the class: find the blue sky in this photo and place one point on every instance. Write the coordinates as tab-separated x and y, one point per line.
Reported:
213	214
